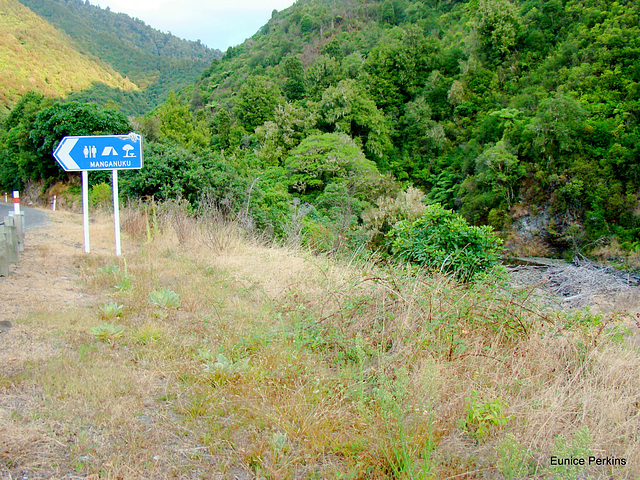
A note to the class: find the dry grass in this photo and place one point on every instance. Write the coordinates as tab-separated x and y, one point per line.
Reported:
613	252
280	364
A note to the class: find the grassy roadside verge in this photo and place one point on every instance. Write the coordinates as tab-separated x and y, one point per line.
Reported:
201	354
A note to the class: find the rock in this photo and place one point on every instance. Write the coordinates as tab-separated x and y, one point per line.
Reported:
5	326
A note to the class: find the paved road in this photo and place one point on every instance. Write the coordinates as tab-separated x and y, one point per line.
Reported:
32	217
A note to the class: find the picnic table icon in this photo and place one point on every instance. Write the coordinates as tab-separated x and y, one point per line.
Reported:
127	149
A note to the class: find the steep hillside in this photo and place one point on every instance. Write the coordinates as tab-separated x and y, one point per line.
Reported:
34	55
155	61
522	115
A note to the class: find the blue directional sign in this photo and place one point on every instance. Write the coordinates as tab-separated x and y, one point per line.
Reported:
100	152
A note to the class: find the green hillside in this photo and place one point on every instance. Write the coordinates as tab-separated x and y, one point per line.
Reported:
518	114
155	61
339	121
36	56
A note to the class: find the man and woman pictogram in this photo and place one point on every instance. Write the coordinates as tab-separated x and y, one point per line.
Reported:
90	152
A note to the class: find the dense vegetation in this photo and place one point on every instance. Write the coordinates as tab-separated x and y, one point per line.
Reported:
34	55
518	115
494	108
158	62
105	57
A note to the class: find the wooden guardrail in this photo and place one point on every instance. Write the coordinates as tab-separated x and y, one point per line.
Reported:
11	242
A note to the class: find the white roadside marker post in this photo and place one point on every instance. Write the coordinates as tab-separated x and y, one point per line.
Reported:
16	202
19	220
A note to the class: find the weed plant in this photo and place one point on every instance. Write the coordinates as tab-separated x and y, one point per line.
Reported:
165	298
108	332
111	310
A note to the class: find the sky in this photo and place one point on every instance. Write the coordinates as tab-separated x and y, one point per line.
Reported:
216	23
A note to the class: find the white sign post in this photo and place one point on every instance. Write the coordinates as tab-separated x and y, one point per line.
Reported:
116	211
100	152
85	208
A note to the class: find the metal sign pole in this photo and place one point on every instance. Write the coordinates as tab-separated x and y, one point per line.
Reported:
85	208
116	212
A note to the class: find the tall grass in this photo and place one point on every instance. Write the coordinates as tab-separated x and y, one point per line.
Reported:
382	368
280	364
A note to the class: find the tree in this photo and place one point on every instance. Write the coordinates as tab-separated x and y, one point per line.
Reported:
322	159
321	74
293	88
178	125
276	138
16	148
388	13
397	70
501	170
555	127
422	137
346	108
257	100
498	26
64	119
306	24
222	126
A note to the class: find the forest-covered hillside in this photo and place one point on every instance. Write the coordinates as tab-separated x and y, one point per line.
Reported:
34	55
153	62
340	118
523	111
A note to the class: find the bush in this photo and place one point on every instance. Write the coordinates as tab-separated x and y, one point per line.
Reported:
101	196
172	171
443	241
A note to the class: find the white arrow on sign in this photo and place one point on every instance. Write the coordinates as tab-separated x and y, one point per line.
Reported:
62	153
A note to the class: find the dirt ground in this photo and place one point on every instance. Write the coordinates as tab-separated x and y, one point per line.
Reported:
40	435
45	276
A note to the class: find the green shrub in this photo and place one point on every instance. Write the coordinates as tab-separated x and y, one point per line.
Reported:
101	196
483	417
443	241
